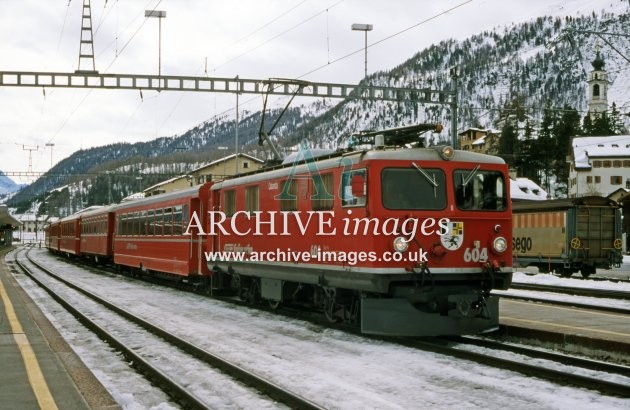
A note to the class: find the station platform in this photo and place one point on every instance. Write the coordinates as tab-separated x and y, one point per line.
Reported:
589	329
39	370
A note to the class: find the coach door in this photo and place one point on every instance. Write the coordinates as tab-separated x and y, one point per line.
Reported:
194	246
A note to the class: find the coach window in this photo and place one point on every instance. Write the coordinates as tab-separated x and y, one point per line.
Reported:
158	222
252	199
151	222
168	221
229	202
177	220
135	222
477	190
288	197
185	215
353	188
322	198
127	224
143	223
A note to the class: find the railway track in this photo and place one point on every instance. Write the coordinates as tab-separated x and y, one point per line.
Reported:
571	290
602	279
554	367
168	380
464	348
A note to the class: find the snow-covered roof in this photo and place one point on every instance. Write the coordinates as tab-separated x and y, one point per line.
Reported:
472	129
168	181
229	157
6	218
480	140
599	147
523	188
137	195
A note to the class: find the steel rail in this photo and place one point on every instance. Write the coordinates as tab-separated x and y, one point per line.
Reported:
248	378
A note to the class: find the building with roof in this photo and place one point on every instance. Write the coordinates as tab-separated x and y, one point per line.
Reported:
214	171
524	188
599	165
7	224
484	141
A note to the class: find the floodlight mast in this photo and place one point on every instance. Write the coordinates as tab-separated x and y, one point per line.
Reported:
365	28
159	14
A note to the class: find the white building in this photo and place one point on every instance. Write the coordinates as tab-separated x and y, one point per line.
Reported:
599	165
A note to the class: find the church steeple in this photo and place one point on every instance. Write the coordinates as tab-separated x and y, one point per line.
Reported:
598	85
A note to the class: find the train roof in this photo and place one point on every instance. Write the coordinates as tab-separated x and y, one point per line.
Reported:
184	193
525	205
340	158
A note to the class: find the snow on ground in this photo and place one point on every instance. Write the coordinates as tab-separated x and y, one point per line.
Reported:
553	280
329	367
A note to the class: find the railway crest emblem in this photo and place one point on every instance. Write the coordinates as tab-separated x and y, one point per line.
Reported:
453	239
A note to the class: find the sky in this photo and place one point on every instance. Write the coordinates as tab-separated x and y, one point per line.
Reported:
302	39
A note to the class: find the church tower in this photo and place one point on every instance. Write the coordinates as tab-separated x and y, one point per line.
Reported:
598	86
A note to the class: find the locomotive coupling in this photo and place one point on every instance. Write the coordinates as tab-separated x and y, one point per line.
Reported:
491	266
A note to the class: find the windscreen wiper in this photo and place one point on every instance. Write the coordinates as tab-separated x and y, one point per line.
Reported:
470	176
429	178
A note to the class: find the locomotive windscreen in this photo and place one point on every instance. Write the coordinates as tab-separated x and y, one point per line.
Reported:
476	190
409	188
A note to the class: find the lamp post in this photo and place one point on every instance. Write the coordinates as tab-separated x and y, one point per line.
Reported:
159	14
365	28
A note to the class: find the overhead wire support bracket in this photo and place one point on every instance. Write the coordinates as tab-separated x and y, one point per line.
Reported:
96	80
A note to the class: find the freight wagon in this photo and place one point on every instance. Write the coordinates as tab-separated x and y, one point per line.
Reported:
567	235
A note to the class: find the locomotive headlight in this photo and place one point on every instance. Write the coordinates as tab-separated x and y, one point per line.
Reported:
499	244
400	244
447	152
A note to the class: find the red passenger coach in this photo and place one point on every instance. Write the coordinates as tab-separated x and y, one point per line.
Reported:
70	235
149	235
407	241
51	233
97	228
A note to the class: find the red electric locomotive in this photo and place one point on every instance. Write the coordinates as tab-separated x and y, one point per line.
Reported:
149	235
408	241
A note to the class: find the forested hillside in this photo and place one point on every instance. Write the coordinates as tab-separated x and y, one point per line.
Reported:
534	73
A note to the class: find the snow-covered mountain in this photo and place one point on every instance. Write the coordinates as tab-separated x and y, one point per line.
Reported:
7	185
532	65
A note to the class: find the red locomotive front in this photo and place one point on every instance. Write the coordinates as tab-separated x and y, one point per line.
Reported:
407	241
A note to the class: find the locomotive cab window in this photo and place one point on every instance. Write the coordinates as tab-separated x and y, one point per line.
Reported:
413	188
480	190
354	188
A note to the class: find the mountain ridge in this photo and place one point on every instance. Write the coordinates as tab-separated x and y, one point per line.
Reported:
534	62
